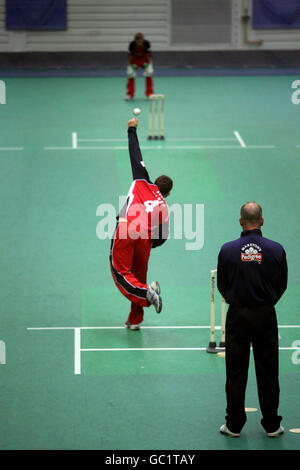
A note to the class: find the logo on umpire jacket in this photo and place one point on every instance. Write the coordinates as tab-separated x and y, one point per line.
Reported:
251	252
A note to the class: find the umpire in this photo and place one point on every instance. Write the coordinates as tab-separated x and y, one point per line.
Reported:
252	276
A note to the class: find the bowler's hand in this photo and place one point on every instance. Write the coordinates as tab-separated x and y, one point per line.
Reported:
133	122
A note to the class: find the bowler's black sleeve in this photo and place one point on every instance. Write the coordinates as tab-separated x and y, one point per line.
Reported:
139	171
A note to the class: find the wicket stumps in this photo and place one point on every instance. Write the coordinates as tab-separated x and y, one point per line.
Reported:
212	347
156	117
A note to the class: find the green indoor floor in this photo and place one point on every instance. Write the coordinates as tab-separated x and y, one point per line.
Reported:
70	376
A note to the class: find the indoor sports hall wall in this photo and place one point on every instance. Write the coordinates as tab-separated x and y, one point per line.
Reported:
108	25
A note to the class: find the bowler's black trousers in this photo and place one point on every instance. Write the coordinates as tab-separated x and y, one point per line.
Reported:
256	327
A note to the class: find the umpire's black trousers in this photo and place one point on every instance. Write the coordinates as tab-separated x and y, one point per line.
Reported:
256	326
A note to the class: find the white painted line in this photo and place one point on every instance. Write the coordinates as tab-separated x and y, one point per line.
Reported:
142	327
167	147
146	327
288	326
261	146
239	138
88	148
104	147
11	148
144	349
162	349
119	327
54	328
187	147
74	140
58	148
77	351
191	147
187	139
104	140
201	139
160	145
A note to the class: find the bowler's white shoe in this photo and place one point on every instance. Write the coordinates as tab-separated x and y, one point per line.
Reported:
131	326
153	296
155	285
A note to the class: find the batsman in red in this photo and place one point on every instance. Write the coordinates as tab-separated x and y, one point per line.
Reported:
142	224
139	56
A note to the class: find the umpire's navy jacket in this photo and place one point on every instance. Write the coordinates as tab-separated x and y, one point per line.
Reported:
252	270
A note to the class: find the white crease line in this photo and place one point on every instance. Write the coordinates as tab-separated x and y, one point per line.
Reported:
159	147
142	327
192	147
54	328
239	138
115	327
288	326
167	147
143	349
168	349
104	147
261	146
201	139
11	148
169	139
105	140
78	350
59	148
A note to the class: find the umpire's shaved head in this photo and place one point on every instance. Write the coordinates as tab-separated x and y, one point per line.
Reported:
251	215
